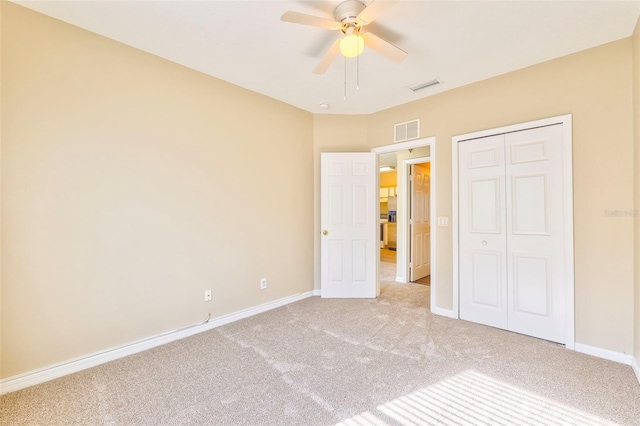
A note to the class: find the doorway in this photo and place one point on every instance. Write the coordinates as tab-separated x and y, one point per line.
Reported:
388	186
417	151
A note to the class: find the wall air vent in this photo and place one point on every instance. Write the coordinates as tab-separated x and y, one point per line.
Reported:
427	84
406	131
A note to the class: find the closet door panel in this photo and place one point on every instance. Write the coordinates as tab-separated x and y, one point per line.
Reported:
482	232
535	233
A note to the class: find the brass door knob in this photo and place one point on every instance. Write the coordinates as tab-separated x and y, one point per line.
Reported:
325	232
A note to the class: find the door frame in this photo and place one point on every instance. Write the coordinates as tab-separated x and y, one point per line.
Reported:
402	261
567	152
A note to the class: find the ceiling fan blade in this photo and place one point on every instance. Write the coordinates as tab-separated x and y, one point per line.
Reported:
386	49
374	10
314	21
328	58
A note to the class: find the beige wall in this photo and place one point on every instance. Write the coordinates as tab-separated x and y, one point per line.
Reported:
594	86
636	185
132	184
388	179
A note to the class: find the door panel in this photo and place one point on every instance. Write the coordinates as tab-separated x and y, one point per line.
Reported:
529	151
535	237
420	260
336	258
531	284
490	157
360	207
484	206
482	236
530	195
335	205
359	263
486	277
348	247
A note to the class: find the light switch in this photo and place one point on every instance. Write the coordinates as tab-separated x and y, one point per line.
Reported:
443	221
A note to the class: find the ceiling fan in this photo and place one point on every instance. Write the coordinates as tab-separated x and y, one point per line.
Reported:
350	17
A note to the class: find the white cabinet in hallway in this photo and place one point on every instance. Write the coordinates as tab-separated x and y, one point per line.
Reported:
387	192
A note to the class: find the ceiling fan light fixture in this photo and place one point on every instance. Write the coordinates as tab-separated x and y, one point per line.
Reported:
352	45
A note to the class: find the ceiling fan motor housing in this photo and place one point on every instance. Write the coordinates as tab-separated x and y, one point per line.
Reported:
347	13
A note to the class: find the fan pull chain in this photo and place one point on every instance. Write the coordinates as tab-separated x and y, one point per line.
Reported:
358	71
345	78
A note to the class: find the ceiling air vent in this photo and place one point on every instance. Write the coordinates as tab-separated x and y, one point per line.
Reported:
421	86
406	131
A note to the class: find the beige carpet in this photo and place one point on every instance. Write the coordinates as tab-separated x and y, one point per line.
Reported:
388	273
359	362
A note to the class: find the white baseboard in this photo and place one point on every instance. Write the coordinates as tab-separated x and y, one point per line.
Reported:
635	364
602	353
21	381
317	292
443	312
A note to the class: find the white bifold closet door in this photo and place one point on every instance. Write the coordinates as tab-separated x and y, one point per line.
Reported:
511	232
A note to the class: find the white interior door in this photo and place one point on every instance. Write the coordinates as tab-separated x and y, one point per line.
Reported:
482	237
512	232
348	245
535	232
420	262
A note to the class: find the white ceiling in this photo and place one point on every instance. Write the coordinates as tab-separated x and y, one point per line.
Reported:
245	43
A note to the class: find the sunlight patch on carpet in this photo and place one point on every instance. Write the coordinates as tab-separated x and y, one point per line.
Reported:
471	398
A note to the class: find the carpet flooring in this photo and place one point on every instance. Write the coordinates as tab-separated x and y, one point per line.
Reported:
389	256
384	361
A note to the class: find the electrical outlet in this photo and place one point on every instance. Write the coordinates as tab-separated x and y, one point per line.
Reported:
263	283
207	296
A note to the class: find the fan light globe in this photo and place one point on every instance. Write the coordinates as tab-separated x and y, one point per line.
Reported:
352	45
